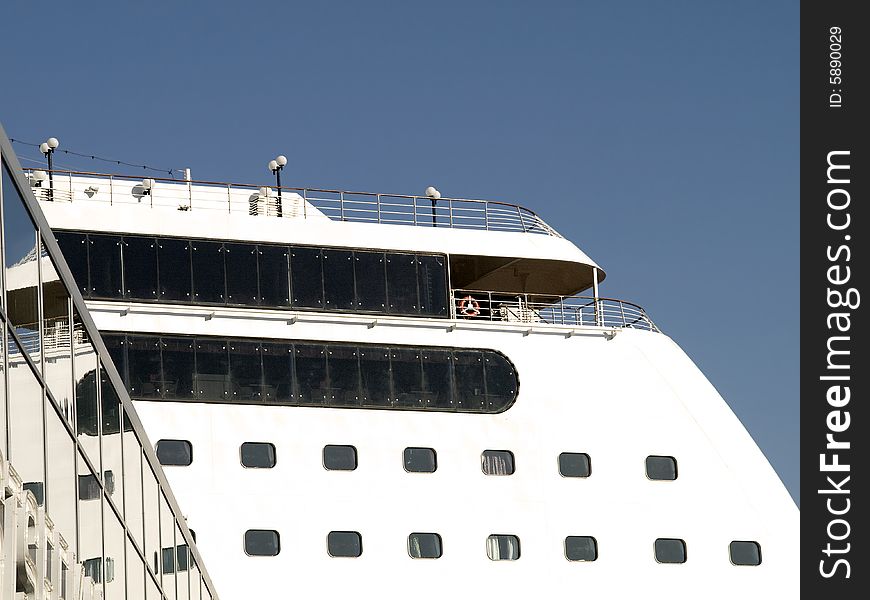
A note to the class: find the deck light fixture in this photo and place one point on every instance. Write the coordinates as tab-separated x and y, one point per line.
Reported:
275	165
147	185
39	176
434	195
47	148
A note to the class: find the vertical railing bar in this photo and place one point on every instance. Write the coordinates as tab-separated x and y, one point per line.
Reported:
229	200
622	310
341	205
486	216
562	308
415	210
378	206
111	189
450	210
522	223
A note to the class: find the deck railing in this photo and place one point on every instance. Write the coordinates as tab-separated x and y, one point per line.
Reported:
288	202
572	311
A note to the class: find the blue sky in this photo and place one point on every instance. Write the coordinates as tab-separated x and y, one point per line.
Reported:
662	138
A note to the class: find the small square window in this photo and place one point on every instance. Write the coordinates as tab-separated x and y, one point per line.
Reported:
670	550
497	462
258	455
420	460
661	468
574	464
344	544
503	547
37	488
262	542
174	453
339	458
745	553
581	548
424	545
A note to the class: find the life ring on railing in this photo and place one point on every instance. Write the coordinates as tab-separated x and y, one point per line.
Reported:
469	307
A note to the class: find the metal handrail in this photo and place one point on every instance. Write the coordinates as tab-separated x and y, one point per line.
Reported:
293	202
535	309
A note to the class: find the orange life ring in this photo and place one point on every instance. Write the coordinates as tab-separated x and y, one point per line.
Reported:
469	307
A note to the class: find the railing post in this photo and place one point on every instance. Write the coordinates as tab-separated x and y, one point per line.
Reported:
450	210
622	310
378	206
562	309
415	211
111	189
486	216
304	203
598	320
341	205
230	200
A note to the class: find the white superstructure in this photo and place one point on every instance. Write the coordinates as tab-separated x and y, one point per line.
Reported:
667	473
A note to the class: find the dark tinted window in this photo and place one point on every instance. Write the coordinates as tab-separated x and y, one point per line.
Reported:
174	269
437	385
497	462
177	453
470	387
89	487
311	374
262	542
208	271
246	376
433	284
745	553
344	543
338	281
503	547
375	376
581	548
307	277
178	368
211	379
277	373
74	247
241	267
500	381
661	467
274	275
407	377
344	384
371	281
140	267
104	260
574	464
258	455
424	545
420	460
143	367
670	550
339	458
402	284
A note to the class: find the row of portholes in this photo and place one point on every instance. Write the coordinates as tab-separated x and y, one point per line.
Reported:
262	455
577	548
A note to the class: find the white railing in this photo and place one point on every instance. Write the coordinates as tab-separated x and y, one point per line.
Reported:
571	311
307	203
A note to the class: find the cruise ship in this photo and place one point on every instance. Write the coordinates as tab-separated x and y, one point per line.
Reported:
406	395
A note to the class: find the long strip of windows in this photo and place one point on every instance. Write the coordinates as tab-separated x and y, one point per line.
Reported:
297	373
157	269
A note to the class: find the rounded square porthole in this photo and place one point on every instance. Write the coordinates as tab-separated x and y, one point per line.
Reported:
497	462
581	548
420	460
339	458
257	455
574	464
661	468
262	542
745	553
424	545
344	544
670	550
174	453
503	547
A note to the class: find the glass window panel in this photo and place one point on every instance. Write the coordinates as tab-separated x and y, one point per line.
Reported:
432	272
278	373
115	540
670	550
174	269
420	460
113	467
662	468
311	377
424	545
57	344
178	367
61	476
262	542
375	376
208	271
211	380
745	553
167	545
469	380
143	367
344	544
152	515
581	548
25	418
274	275
140	267
574	464
339	458
497	462
90	521
501	382
132	481
74	247
117	347
21	262
257	455
344	384
371	280
307	277
338	283
135	573
241	267
402	284
407	377
246	375
175	453
437	379
503	547
104	261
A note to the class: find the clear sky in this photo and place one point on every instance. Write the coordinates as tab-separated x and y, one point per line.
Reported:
661	137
